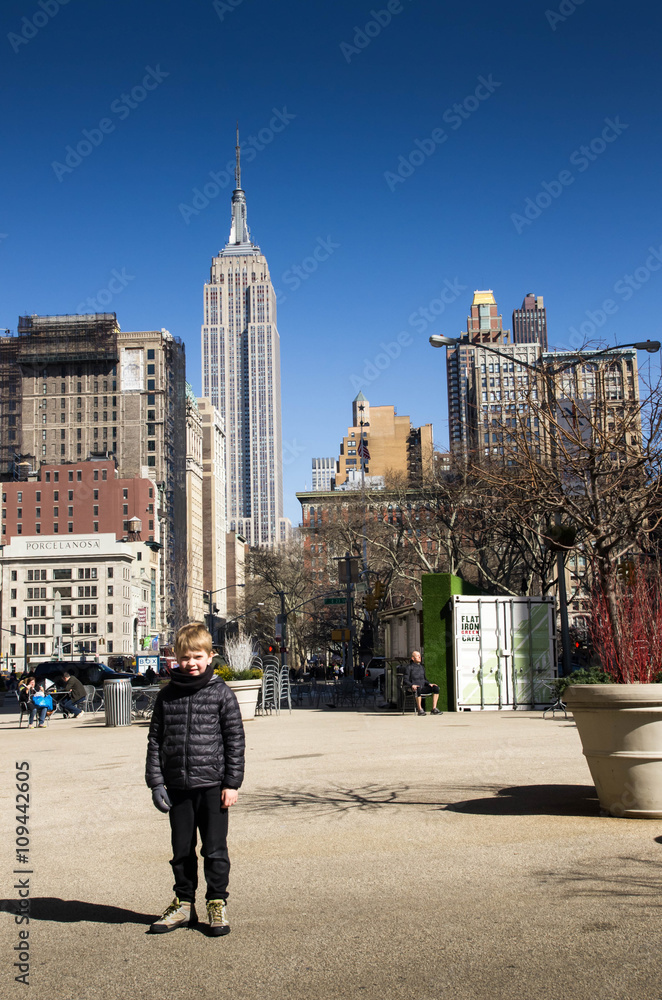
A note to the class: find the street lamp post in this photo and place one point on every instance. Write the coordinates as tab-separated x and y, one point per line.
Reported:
549	373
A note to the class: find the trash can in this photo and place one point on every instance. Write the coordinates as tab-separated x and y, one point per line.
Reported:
117	701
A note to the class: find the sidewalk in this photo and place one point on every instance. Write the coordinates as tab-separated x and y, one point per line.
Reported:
374	855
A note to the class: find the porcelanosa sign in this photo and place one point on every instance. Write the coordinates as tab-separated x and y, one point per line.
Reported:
55	545
78	545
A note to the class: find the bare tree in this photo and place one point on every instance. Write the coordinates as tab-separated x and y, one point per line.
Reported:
596	467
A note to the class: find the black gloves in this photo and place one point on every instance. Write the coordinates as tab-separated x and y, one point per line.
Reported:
160	798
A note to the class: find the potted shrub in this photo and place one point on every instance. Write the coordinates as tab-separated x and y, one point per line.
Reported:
620	722
241	674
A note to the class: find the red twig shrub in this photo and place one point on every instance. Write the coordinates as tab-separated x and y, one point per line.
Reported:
630	649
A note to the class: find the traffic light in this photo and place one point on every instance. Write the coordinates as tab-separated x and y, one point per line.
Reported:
379	590
370	602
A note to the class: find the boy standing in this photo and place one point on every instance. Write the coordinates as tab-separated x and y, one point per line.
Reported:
195	764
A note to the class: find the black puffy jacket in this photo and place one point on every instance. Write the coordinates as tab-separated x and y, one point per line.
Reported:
196	740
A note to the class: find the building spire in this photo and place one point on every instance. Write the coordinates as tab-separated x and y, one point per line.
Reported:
239	230
237	169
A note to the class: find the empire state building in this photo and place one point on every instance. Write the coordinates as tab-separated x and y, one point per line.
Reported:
241	377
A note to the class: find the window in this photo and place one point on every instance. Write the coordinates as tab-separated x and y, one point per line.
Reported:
104	474
61	574
110	572
96	494
87	574
70	512
151	460
151	369
96	475
70	527
125	508
150	354
19	512
37	496
79	475
151	384
71	475
110	592
19	497
151	400
109	609
70	494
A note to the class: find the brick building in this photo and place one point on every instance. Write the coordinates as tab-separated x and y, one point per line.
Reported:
80	532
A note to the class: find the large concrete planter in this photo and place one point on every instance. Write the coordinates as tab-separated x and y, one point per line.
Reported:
620	726
246	694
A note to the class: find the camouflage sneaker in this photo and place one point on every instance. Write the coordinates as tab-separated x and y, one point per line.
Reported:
178	914
218	920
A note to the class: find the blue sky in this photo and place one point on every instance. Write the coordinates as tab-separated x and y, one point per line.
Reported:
355	89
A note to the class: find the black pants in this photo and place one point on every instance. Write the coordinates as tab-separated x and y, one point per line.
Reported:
199	809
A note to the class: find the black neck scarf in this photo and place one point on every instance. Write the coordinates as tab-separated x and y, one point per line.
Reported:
187	684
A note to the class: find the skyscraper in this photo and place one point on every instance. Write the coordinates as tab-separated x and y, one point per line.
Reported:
241	377
530	321
485	392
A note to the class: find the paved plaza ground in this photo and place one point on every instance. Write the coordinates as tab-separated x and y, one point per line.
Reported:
374	855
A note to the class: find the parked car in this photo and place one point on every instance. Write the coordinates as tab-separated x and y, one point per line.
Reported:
376	667
87	673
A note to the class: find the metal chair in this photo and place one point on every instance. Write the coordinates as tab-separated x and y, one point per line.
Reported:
90	692
24	706
406	697
284	687
269	697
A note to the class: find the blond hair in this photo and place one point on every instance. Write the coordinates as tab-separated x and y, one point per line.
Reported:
192	637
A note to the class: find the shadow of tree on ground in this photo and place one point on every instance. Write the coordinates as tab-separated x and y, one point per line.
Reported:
562	800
